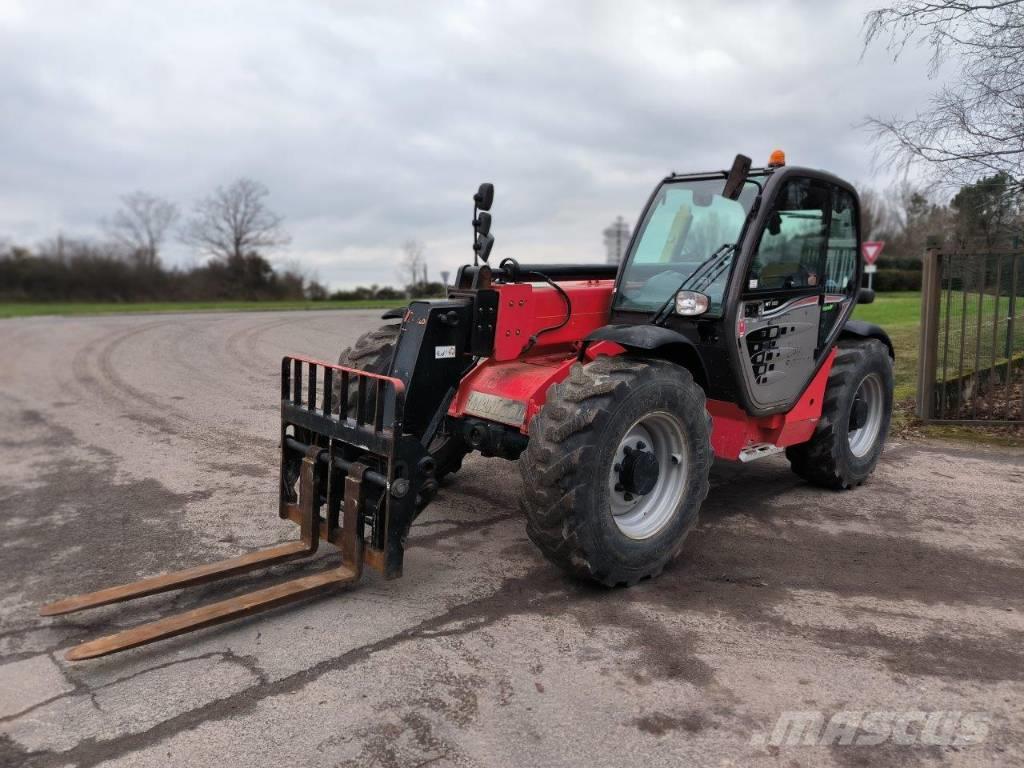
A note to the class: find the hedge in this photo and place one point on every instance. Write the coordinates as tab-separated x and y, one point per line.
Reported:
897	280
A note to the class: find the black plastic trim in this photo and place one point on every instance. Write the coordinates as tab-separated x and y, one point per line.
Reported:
864	330
650	338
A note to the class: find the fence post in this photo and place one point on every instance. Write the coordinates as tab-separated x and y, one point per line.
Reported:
931	292
1012	310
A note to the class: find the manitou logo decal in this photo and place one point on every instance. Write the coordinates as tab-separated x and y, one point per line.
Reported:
941	728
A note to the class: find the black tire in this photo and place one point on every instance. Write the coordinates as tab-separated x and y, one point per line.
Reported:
573	445
827	459
373	352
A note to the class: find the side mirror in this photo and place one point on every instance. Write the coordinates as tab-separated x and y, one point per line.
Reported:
482	223
483	240
483	246
866	296
484	197
737	177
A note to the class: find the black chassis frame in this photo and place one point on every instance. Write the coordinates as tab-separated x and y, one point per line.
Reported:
708	345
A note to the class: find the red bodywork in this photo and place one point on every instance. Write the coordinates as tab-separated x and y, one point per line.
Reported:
525	308
522	380
733	429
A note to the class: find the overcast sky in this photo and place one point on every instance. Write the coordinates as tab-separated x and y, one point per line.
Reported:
373	122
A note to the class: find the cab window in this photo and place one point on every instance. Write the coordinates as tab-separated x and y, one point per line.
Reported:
841	258
789	253
688	222
840	262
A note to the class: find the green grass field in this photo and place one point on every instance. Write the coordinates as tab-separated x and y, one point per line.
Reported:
892	309
970	324
900	315
17	309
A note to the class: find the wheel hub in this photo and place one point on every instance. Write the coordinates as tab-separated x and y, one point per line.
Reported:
638	472
647	475
858	413
866	415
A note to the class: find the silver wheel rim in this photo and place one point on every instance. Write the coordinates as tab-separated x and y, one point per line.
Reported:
641	517
863	439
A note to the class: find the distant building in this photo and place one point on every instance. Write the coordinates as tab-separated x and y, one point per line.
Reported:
616	238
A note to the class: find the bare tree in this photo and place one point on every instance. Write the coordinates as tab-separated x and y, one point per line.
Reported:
874	214
140	226
974	124
234	221
907	215
413	265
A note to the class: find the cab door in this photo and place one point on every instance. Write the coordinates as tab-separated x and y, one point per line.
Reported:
843	266
780	317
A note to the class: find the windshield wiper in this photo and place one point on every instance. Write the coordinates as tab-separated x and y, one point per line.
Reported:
704	275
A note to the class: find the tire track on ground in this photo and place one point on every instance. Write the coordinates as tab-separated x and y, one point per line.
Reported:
241	345
222	370
89	386
244	346
15	338
145	407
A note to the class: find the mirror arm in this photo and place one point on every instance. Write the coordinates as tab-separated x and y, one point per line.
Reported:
737	176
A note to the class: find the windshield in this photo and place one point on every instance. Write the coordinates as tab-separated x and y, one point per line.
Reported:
687	223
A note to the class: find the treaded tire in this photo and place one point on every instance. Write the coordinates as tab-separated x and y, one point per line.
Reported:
566	467
826	460
373	352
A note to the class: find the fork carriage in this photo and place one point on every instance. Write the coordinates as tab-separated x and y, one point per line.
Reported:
348	477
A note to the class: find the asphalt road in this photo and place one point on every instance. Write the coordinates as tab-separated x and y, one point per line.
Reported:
133	444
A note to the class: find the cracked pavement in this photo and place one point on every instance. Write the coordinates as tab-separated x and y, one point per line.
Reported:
137	444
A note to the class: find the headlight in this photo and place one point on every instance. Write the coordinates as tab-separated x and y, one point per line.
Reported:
690	303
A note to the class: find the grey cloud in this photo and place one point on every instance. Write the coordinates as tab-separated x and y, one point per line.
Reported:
371	123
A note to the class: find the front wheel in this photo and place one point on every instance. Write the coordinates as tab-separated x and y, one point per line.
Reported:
855	418
616	468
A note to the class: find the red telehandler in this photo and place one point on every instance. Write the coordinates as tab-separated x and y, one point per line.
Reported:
725	332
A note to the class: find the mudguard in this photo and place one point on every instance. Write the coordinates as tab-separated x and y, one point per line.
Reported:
668	344
863	330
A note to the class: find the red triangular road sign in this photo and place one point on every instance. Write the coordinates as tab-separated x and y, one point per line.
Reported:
871	249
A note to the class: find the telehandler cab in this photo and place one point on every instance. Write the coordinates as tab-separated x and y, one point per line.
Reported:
725	333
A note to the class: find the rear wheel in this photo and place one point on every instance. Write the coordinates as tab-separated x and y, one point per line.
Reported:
854	418
616	468
373	352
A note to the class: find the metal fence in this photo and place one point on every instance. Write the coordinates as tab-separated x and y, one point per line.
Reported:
971	365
